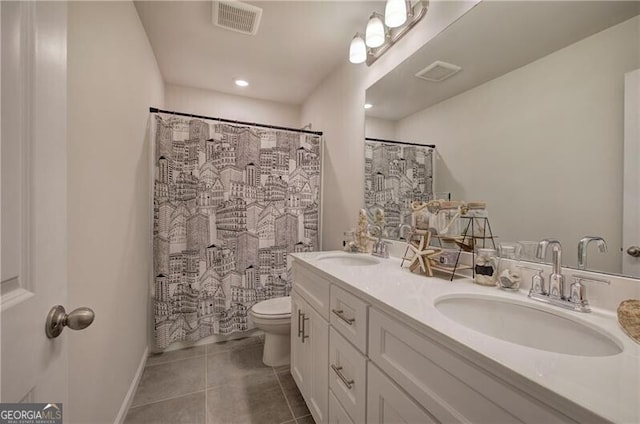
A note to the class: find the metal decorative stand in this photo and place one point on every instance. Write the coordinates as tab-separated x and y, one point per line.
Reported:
468	241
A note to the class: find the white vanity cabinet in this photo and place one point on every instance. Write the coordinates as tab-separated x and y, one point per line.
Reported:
310	343
364	363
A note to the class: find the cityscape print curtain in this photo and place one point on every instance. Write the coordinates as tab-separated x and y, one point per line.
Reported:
395	175
230	204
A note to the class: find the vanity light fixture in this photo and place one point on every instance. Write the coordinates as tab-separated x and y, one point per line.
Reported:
375	33
395	13
241	83
357	50
383	32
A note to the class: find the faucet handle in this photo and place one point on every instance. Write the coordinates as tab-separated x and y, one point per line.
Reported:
537	281
578	291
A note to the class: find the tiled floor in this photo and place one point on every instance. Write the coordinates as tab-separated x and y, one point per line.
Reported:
217	384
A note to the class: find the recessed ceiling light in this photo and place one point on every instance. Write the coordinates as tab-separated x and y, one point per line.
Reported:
368	105
241	83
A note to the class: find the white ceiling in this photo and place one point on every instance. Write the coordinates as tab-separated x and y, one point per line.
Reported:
493	38
297	45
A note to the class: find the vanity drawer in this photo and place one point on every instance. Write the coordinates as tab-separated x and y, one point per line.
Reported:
349	317
337	414
447	385
314	289
387	403
348	376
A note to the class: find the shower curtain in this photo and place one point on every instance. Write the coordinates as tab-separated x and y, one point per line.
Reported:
230	204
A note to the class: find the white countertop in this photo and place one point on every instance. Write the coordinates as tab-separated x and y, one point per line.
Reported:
608	386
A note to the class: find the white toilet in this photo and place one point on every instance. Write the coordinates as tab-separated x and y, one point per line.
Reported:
273	316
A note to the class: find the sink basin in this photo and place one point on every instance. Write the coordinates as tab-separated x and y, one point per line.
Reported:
349	259
521	323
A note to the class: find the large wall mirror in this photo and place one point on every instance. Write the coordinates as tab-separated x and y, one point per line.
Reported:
531	119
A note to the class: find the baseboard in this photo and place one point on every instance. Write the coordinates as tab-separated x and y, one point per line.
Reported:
124	408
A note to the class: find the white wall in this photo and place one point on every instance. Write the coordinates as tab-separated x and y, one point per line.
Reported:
221	105
336	107
113	79
543	144
380	128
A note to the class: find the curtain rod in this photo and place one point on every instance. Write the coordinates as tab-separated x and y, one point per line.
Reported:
231	121
433	146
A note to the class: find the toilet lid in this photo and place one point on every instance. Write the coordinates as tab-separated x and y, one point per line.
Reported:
275	306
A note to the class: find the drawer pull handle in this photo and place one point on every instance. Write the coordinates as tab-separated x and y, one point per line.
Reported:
339	313
300	329
304	327
338	371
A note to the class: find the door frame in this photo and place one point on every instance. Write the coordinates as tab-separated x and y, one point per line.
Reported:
631	176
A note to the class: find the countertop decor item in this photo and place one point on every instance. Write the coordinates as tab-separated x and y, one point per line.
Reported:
629	318
420	253
363	240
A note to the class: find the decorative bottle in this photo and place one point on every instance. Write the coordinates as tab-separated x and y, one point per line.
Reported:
486	267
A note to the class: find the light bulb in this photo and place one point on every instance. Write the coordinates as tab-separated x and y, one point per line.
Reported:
368	105
357	50
241	83
374	34
395	13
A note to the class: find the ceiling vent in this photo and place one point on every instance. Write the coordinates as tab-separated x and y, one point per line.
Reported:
438	71
236	16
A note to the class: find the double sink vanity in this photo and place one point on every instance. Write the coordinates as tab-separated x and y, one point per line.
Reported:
372	342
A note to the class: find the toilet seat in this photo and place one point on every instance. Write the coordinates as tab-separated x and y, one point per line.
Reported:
278	307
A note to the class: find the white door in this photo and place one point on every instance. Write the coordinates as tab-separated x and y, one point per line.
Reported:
33	267
631	193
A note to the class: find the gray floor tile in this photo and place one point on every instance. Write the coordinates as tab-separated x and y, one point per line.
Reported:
249	400
188	409
282	369
172	379
243	343
236	365
306	420
174	355
291	392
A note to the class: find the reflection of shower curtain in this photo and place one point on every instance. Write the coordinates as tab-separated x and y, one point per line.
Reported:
230	203
395	175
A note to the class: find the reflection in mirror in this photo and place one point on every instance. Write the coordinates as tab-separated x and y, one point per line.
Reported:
395	174
534	122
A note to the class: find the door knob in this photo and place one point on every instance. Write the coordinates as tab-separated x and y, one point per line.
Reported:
78	319
634	251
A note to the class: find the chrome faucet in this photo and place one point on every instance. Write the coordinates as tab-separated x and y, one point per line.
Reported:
556	279
576	299
380	247
584	244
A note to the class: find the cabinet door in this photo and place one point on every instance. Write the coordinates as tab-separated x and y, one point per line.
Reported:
316	341
299	362
387	403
